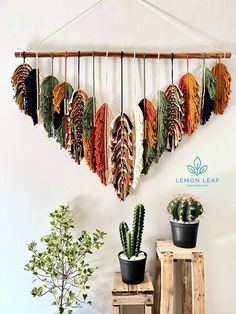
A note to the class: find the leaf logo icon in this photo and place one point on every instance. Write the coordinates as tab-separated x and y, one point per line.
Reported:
197	167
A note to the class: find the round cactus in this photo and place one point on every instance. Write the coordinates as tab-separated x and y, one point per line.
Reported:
185	209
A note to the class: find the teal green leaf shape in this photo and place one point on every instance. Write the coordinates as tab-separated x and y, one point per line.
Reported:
197	167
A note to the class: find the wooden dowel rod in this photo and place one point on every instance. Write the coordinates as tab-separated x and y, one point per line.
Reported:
190	55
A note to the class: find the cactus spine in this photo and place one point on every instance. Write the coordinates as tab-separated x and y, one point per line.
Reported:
131	242
185	209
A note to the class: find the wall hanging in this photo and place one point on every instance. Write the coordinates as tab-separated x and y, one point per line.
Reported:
120	148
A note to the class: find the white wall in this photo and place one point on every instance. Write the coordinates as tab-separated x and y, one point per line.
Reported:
36	176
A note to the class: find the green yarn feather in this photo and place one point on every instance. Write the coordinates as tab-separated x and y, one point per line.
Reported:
161	123
148	157
210	83
46	104
88	117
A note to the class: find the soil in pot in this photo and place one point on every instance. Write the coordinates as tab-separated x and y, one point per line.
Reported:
184	234
132	270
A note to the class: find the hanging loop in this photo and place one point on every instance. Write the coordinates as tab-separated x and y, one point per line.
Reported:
144	76
121	75
187	59
78	69
23	53
52	59
172	68
93	74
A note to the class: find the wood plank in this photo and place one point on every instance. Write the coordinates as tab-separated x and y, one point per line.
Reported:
157	286
148	309
115	310
118	286
146	286
198	290
167	284
186	287
164	246
138	299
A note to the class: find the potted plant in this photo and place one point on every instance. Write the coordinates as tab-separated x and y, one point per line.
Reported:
132	260
61	268
184	211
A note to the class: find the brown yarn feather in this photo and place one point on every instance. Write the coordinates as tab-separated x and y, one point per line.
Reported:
190	88
223	83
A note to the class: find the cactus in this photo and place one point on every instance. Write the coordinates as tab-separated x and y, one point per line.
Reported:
129	251
131	242
185	209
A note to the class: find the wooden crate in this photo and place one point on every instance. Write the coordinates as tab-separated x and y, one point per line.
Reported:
123	294
193	294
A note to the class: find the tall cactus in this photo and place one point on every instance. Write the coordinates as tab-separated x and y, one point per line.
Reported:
131	242
185	209
138	221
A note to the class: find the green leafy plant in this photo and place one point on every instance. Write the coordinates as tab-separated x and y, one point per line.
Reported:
131	242
185	209
61	268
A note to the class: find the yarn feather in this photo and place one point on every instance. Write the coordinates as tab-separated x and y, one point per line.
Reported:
190	89
122	155
75	125
31	95
101	147
175	121
223	84
46	103
18	84
137	120
150	133
61	93
161	103
89	133
207	90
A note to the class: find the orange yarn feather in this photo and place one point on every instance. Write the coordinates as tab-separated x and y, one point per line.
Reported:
190	89
223	82
89	150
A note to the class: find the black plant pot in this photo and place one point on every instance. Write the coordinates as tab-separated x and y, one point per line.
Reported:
132	272
184	234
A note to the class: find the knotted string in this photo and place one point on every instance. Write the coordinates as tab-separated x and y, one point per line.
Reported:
78	70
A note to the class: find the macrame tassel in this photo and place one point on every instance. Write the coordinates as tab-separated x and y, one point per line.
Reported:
59	97
175	121
207	84
75	125
89	133
162	107
18	84
137	119
190	88
46	103
223	83
150	133
31	95
101	144
122	155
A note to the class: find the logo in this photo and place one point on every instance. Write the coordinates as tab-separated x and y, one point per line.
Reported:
198	178
197	167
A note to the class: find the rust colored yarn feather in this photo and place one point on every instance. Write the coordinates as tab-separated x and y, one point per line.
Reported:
190	89
100	143
89	150
223	82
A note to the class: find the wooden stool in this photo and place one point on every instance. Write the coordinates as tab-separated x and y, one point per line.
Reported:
193	298
123	294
